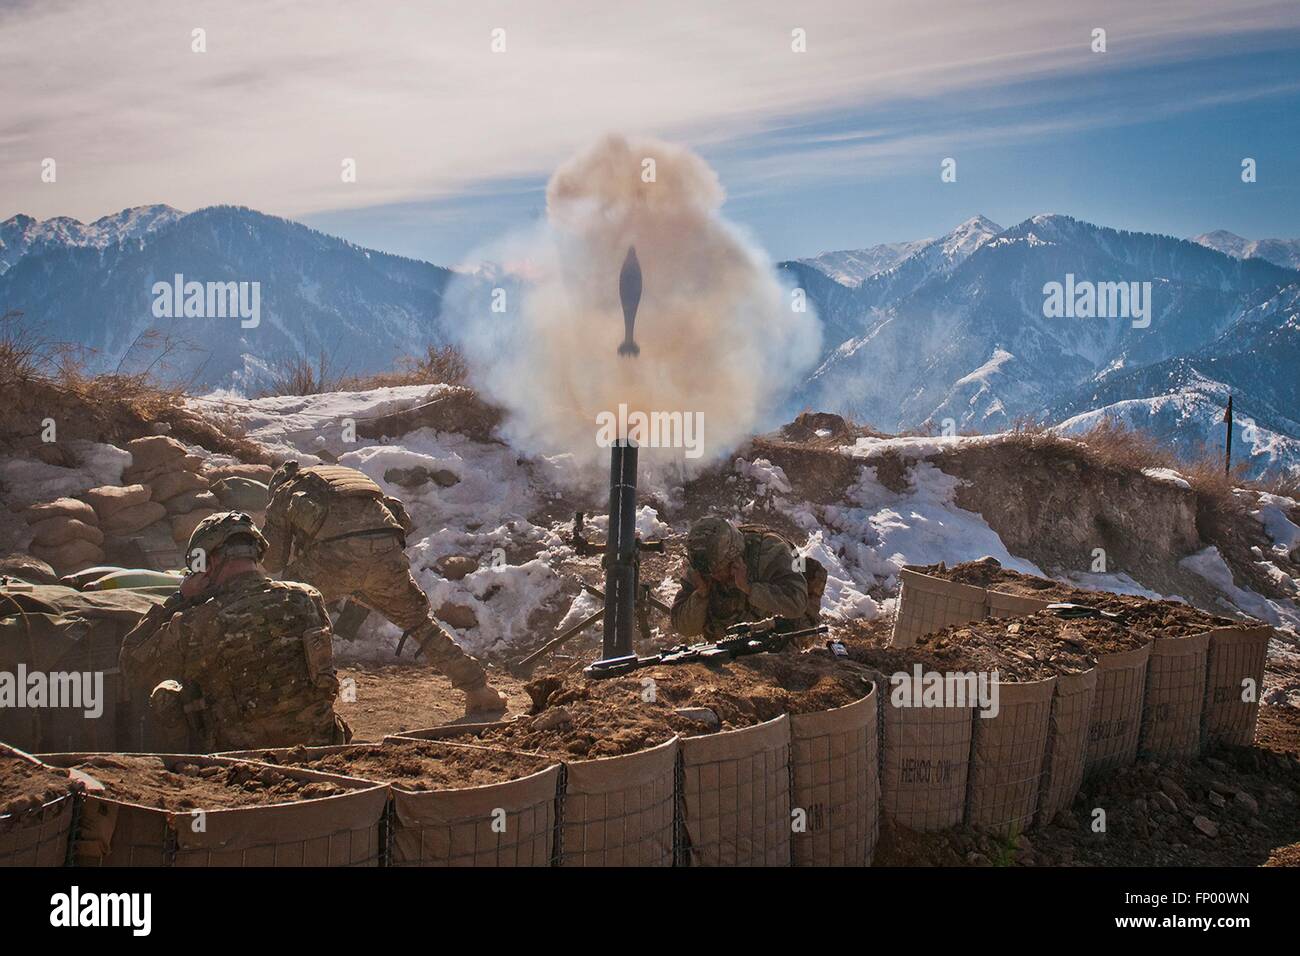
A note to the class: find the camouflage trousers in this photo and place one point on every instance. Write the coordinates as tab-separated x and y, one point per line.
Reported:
375	573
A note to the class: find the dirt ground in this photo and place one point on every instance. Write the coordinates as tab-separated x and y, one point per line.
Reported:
603	718
25	786
1237	806
180	785
426	765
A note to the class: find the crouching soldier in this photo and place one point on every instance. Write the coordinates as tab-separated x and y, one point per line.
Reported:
234	660
335	529
746	574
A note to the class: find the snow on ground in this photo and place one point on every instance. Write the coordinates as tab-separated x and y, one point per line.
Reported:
1168	476
303	424
28	481
1272	514
1209	564
863	541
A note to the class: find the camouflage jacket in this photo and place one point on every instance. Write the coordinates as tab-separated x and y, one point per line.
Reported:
776	589
254	658
321	503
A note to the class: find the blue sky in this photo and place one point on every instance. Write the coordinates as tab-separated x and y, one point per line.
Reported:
836	146
1153	149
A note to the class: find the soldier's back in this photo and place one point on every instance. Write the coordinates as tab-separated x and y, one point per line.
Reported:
260	652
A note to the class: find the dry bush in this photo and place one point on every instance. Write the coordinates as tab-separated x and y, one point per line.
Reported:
300	376
440	365
40	379
1116	444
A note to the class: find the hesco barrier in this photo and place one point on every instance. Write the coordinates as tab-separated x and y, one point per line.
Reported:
1174	698
835	764
511	823
1067	742
1116	717
927	604
926	759
42	835
620	811
735	796
1007	757
342	830
1235	656
1002	604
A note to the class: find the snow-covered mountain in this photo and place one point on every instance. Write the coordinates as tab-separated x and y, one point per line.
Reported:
958	334
21	235
316	294
1280	252
850	266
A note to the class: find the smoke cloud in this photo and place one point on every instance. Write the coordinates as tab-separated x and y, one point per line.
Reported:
720	338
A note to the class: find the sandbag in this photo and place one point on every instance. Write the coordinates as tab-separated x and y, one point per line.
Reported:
154	450
191	501
1116	718
241	494
24	567
260	473
1174	698
1234	682
41	835
108	500
1067	742
925	765
168	486
1007	753
135	518
836	776
61	507
62	529
618	811
342	830
736	796
72	556
928	604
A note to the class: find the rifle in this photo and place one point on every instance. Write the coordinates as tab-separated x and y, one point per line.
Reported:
739	640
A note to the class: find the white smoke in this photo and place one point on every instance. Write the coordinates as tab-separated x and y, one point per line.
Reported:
718	334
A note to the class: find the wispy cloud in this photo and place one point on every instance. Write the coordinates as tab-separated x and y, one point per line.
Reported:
413	92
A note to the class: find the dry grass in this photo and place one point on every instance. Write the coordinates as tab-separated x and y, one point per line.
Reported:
42	380
439	365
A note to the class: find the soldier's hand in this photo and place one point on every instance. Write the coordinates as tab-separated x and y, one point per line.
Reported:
698	581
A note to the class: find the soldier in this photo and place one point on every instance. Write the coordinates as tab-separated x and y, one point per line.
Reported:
234	660
742	575
335	529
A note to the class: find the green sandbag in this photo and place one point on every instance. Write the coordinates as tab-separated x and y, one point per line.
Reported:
237	493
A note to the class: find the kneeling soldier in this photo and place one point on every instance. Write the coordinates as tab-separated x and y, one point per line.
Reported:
235	660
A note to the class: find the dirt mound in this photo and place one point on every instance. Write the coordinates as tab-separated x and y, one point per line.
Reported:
417	766
25	785
180	785
1023	649
578	717
1157	618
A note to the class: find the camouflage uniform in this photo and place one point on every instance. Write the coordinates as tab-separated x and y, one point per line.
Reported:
334	528
776	588
253	662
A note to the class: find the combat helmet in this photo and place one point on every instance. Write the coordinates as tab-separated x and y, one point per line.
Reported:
713	543
215	530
